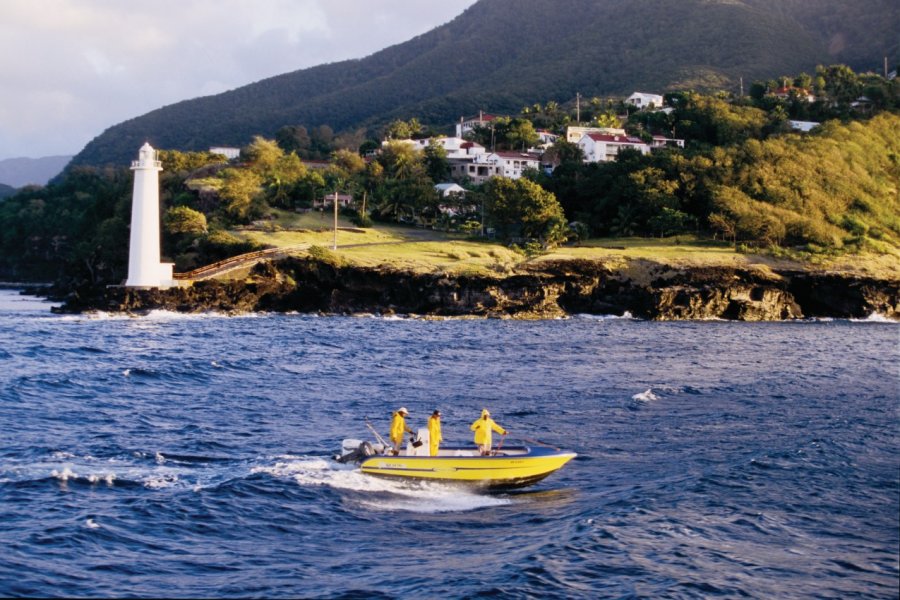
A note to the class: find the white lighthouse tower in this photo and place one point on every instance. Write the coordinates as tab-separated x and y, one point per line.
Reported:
144	268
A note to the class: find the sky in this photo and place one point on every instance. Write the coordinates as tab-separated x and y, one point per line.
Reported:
69	69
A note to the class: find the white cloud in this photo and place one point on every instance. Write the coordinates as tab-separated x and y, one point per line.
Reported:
71	68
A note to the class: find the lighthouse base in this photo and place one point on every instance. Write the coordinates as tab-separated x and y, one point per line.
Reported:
158	277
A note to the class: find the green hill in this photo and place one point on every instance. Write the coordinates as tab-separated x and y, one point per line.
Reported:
500	55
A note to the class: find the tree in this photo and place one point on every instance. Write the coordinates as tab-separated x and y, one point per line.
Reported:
262	155
293	138
282	180
669	221
240	189
841	83
564	152
181	220
722	224
520	134
351	162
436	163
522	206
605	119
403	130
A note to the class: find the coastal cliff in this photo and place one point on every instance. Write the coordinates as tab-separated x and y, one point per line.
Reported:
545	289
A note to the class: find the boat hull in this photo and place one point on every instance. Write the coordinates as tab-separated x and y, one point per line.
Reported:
512	470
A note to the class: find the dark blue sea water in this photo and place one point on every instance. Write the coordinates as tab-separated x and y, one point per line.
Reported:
189	456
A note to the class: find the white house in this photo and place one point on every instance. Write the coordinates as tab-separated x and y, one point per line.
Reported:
455	147
661	141
512	164
450	189
466	125
547	138
790	91
804	126
642	100
574	134
603	147
227	151
344	201
467	168
481	167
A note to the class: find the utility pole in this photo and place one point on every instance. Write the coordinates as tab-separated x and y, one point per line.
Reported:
334	245
578	107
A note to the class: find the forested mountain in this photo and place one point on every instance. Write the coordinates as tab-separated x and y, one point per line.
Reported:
501	55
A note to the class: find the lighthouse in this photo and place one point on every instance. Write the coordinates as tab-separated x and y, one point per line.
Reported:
144	267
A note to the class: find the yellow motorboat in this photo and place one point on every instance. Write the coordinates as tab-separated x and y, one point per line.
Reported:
507	467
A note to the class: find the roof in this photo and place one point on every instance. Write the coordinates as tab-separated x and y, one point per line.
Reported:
519	155
614	139
482	117
784	91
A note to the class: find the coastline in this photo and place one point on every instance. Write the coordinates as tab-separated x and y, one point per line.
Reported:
546	289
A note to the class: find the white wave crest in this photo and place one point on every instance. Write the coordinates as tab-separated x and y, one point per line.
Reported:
875	318
109	478
66	474
158	482
627	316
645	396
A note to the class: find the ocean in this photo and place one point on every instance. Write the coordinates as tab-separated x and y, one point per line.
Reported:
178	455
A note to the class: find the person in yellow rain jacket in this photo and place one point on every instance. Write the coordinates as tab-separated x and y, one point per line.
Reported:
398	427
483	428
434	432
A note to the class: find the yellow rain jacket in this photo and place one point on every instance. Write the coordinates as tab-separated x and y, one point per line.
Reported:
398	426
434	434
483	427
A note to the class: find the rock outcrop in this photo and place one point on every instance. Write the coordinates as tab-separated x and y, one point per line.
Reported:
544	290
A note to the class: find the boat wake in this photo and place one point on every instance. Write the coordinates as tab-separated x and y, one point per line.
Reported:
377	493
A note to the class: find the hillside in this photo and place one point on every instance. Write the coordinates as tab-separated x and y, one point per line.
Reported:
503	54
19	172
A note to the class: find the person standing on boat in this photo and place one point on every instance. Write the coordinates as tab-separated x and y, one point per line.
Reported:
398	428
483	428
434	432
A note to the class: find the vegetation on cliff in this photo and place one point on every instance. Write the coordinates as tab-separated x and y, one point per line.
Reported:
744	177
501	55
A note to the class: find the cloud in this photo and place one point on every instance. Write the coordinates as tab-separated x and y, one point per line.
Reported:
71	69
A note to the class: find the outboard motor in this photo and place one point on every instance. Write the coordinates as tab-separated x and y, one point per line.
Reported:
362	451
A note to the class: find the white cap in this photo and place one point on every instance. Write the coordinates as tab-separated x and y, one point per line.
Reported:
403	410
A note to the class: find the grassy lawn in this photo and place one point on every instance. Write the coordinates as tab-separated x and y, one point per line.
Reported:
418	249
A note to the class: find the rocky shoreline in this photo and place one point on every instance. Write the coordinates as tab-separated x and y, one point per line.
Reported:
547	289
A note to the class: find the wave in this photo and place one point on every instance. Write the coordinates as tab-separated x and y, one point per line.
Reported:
645	396
626	316
377	493
876	317
155	315
150	470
